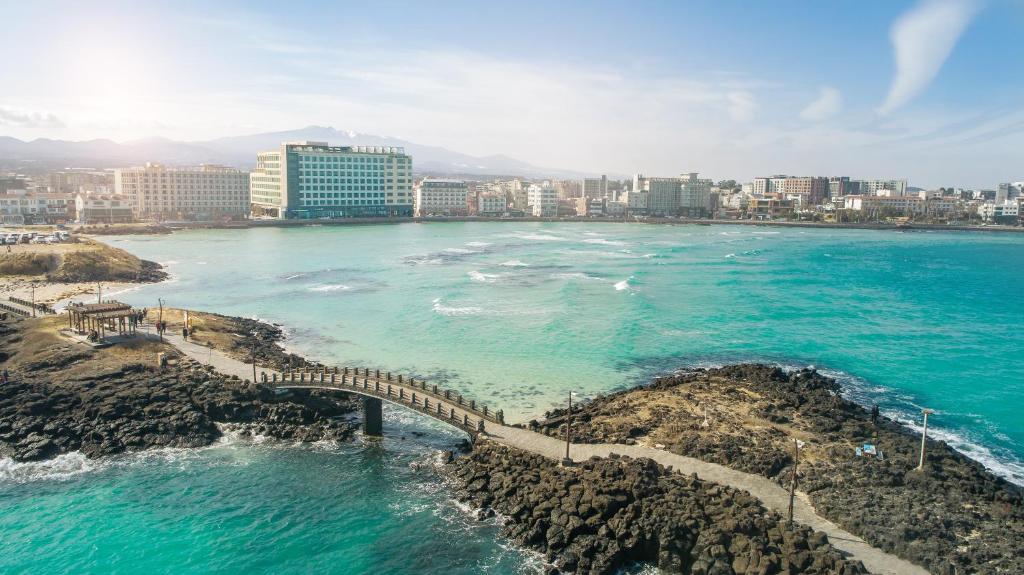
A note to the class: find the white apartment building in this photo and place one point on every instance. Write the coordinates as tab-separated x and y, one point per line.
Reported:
204	192
491	204
873	187
315	180
1005	212
19	207
635	201
909	206
543	200
436	197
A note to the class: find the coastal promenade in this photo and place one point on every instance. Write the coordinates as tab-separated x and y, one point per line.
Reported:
771	495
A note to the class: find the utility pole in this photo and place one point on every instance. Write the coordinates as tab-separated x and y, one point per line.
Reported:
254	358
797	444
160	320
924	437
33	299
568	427
99	293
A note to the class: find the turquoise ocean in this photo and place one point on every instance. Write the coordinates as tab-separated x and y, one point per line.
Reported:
516	315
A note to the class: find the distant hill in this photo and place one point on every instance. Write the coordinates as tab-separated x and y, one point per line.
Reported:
240	151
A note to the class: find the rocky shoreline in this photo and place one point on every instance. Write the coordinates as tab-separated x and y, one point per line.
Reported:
605	514
956	517
65	397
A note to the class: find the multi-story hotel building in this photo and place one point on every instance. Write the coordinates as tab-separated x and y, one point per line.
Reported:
204	192
436	197
491	204
543	200
315	180
594	187
687	195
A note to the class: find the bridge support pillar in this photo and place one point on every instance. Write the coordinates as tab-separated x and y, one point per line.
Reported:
373	416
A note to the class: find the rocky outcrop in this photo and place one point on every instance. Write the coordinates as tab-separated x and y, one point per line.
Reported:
139	408
955	517
605	514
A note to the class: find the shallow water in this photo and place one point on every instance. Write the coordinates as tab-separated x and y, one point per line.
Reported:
519	314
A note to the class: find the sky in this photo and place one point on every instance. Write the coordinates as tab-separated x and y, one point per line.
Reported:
929	90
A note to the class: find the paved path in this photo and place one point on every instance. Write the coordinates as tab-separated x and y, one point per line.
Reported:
771	495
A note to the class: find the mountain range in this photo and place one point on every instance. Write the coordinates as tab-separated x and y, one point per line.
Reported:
240	151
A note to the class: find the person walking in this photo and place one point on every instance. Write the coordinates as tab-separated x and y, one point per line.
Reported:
874	414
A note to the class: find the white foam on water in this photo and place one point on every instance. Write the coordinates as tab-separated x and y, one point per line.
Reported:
623	285
329	288
60	468
514	264
478	244
604	242
730	256
481	277
293	276
540	237
460	251
442	309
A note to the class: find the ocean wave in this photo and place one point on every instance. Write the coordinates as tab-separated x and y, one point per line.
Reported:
514	264
293	276
329	288
604	242
540	237
462	251
478	244
623	285
60	468
730	256
450	311
481	277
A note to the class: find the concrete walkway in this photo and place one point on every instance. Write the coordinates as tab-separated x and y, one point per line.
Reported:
771	495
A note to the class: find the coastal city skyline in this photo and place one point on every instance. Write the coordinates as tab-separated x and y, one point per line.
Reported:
693	287
913	96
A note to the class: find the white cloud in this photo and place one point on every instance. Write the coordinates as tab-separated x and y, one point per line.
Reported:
741	106
828	104
922	40
26	119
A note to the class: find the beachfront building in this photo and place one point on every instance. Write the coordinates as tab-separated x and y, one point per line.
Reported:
206	192
1007	212
769	208
685	195
103	209
315	180
636	202
491	203
436	197
20	207
543	200
594	187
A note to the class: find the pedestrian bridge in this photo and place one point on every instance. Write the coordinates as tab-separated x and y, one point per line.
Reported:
375	386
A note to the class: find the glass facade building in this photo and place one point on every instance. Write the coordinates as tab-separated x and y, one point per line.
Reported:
305	180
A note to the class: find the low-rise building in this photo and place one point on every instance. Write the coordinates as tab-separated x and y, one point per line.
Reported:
20	207
437	197
1008	212
491	204
770	208
103	209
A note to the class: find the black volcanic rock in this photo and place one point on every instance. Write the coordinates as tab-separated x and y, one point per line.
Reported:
604	514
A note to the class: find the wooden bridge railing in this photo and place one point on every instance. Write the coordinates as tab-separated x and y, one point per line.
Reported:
427	398
45	308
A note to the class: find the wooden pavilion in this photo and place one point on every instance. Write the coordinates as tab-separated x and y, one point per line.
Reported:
98	318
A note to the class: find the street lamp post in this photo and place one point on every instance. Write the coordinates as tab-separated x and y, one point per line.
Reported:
924	437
